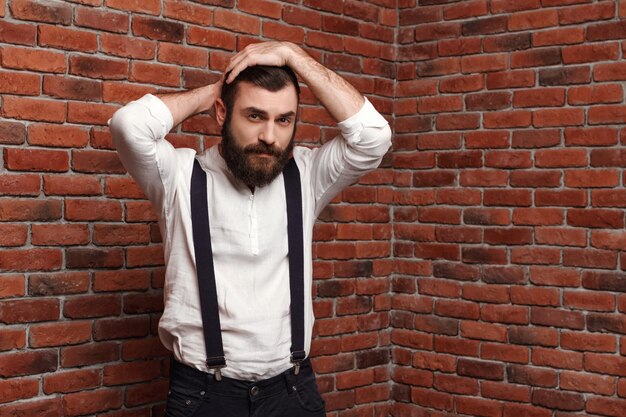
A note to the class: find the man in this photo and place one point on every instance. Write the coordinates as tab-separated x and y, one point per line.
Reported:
239	342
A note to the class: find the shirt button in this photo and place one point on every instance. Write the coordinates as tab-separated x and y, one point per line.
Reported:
188	402
254	391
202	392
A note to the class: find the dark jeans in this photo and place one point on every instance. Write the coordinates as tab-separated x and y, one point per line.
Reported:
197	394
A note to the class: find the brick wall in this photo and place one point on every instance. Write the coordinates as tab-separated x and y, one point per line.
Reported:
478	272
508	218
81	271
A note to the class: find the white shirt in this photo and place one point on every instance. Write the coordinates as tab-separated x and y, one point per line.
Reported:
248	233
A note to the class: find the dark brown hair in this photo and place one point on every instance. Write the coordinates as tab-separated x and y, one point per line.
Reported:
268	77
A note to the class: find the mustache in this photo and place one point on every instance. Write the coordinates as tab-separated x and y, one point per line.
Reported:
263	148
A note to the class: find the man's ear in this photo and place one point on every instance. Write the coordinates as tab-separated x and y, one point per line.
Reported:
220	111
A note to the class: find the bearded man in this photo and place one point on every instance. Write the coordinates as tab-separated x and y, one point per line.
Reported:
237	225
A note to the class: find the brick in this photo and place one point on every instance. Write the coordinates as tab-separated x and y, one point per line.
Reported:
539	377
28	363
507	119
437	31
102	20
183	55
71	381
565	76
590	136
585	13
558	399
144	256
157	29
127	373
508	79
230	20
105	329
166	75
58	283
68	39
533	336
565	198
590	53
18	389
89	354
33	109
19	83
558	359
76	185
609	93
561	36
93	67
186	11
484	63
589	301
93	258
609	72
605	406
11	286
127	47
92	401
12	133
539	97
487	101
561	158
606	323
478	406
60	234
42	12
36	160
57	135
20	184
59	334
90	306
535	178
18	34
152	7
560	237
28	209
490	25
462	46
591	178
535	19
72	88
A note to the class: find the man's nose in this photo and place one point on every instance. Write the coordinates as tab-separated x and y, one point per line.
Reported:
268	133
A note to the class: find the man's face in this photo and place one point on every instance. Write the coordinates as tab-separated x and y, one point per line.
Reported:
257	135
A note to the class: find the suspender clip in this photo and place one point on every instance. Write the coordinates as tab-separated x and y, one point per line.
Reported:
217	364
296	358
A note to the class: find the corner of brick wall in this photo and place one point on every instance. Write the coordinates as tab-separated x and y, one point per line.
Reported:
81	269
509	234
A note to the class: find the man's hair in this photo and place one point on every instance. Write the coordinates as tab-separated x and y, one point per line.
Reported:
267	77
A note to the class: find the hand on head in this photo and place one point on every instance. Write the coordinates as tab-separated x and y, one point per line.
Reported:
265	53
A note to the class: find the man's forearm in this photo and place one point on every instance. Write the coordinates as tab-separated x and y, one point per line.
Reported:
186	104
340	98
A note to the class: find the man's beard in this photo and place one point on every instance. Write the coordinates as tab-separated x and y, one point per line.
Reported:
245	162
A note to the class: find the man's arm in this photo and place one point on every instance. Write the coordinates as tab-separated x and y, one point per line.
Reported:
340	98
186	104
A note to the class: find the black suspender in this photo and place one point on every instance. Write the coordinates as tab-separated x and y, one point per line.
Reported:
293	192
206	272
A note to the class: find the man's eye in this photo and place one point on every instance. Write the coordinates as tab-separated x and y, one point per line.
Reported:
284	120
254	116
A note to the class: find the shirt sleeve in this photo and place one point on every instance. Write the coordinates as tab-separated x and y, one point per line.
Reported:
138	131
365	138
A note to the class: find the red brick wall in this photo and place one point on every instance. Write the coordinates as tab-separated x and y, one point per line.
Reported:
508	218
81	269
478	272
